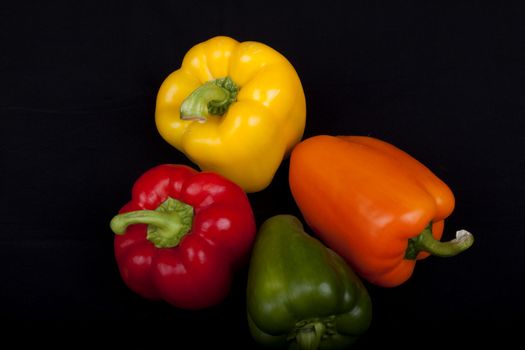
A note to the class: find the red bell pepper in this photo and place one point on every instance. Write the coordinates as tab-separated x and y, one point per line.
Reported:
182	235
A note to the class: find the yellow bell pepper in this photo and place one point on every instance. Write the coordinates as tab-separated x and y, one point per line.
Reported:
233	108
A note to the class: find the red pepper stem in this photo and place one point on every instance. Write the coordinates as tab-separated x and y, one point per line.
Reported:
309	337
426	242
167	224
213	97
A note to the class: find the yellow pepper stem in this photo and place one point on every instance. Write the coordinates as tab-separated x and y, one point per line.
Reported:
213	97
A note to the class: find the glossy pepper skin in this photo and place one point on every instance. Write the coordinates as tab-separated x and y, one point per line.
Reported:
301	294
182	235
374	204
233	108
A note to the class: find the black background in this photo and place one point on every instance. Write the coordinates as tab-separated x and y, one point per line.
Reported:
78	83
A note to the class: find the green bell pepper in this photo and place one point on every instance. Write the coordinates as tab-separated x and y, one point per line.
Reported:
301	294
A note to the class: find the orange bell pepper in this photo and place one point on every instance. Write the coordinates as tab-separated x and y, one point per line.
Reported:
374	204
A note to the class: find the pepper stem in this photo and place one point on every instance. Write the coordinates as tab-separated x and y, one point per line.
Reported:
425	241
213	97
309	336
167	224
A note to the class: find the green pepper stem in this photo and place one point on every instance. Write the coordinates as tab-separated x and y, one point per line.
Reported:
426	242
213	97
167	225
309	336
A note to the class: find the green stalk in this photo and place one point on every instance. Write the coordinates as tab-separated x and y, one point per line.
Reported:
211	98
167	225
426	242
309	336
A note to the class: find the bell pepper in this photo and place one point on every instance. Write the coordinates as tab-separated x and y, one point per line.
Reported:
233	108
182	235
374	204
301	294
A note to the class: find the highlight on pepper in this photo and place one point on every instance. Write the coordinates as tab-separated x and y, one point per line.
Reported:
234	108
372	203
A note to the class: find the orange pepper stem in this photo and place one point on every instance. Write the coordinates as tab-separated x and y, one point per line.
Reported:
213	97
425	241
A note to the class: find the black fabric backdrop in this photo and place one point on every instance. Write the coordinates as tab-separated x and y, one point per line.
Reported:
78	82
